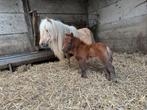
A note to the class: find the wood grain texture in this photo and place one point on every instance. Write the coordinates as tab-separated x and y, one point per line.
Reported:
58	6
25	58
65	18
14	43
68	11
121	23
11	6
12	23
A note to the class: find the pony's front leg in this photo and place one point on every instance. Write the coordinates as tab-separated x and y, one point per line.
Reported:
82	65
60	56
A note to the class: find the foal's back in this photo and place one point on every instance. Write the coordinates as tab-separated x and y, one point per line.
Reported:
98	47
93	50
82	49
98	50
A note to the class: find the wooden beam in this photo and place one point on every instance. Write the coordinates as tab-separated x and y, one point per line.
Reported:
25	58
35	26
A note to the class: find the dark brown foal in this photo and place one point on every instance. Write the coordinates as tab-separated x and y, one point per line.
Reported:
83	52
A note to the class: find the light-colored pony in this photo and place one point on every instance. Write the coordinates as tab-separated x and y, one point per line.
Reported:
52	33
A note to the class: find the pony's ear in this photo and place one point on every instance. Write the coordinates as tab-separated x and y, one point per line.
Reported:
48	19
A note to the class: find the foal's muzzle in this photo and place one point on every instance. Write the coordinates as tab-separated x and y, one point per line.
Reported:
68	48
64	50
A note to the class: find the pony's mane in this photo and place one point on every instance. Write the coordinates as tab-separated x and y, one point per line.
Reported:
77	39
56	25
45	23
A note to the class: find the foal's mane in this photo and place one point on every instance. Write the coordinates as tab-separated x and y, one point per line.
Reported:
75	40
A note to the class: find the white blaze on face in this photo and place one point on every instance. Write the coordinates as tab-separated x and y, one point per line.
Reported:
45	32
45	36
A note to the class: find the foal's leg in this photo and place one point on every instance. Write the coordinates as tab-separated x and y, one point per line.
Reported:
68	58
107	74
110	71
82	65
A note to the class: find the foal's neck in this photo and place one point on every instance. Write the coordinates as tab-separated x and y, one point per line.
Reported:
77	43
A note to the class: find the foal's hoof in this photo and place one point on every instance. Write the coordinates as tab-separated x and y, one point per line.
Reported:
114	80
69	66
84	76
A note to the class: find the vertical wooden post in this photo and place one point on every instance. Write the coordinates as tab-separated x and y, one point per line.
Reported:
36	34
10	68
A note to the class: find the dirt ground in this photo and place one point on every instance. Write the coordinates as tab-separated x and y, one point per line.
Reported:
55	86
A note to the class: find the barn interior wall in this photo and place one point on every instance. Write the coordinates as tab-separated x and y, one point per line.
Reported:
69	11
13	28
122	24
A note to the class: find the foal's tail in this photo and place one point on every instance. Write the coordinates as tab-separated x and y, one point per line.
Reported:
109	52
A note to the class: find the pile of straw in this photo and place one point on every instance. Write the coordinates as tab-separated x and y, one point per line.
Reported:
56	86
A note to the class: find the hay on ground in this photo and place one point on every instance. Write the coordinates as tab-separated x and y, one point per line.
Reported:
55	86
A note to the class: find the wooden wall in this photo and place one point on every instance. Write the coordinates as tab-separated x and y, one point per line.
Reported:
14	34
68	11
15	27
122	24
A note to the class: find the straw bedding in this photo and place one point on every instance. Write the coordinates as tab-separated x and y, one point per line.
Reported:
56	86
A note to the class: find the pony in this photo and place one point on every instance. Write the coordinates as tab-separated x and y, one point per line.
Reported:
52	33
84	52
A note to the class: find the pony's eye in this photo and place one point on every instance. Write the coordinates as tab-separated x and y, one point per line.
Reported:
46	30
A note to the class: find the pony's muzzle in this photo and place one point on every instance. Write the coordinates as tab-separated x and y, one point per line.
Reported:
44	45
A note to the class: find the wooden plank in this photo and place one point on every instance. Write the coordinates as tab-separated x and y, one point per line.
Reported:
58	6
121	44
128	44
35	25
66	18
15	43
11	6
111	11
126	39
12	23
25	58
135	21
122	9
124	32
95	5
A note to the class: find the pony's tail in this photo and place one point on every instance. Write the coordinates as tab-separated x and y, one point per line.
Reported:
110	58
